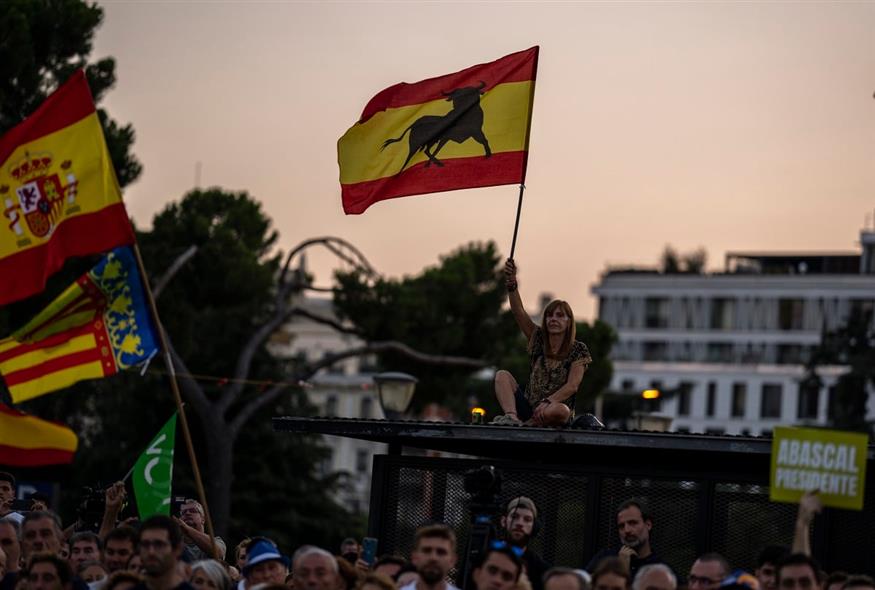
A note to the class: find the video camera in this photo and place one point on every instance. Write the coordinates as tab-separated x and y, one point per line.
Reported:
483	484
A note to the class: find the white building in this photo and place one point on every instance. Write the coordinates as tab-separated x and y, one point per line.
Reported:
343	390
733	344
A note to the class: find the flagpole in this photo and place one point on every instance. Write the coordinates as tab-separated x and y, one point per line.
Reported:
174	386
516	224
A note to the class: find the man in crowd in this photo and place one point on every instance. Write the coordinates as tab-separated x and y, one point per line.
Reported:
160	547
859	583
499	569
314	568
197	542
84	546
350	549
48	572
766	563
565	578
633	527
41	532
11	546
265	564
708	572
656	576
121	543
389	565
434	555
611	574
798	571
518	523
7	496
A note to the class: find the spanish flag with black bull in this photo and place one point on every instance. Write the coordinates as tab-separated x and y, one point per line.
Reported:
58	192
464	130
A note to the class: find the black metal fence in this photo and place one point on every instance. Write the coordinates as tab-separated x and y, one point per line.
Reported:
577	507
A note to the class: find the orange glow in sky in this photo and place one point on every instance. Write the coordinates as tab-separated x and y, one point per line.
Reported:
733	126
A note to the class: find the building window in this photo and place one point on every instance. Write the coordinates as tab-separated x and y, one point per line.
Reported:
627	385
809	400
739	399
655	351
770	402
685	392
711	402
367	407
790	314
719	352
331	406
654	405
656	312
790	354
722	314
715	431
361	461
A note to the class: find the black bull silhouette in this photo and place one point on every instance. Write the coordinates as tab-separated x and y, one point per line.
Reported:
430	133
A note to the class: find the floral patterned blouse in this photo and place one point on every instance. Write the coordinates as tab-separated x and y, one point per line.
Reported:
546	374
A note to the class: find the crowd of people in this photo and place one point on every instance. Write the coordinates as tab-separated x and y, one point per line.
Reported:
175	553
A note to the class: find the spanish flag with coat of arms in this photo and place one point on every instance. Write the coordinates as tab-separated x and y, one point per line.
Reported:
58	192
463	130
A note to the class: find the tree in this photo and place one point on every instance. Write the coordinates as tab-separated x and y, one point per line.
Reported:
43	43
851	345
457	307
453	308
671	262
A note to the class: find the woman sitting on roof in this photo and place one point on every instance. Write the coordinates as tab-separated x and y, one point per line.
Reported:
557	362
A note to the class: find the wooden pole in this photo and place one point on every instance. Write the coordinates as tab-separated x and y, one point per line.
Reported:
174	386
516	224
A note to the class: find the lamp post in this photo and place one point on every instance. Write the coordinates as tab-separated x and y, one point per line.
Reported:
395	391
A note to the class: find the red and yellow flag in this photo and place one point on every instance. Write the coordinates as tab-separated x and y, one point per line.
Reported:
58	191
27	441
464	130
97	327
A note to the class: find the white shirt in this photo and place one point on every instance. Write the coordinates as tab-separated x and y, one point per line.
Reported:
412	586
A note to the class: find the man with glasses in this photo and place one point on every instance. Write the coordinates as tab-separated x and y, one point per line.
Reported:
708	572
798	571
197	542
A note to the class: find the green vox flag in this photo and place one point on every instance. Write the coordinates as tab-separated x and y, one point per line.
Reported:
153	473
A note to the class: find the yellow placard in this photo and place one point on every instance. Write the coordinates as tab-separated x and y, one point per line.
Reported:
833	462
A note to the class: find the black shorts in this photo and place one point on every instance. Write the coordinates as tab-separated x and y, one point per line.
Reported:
524	409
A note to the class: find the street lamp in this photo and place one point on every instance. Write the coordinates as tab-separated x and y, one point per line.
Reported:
396	392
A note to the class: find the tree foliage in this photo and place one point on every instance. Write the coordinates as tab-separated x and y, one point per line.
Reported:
224	293
42	42
852	345
672	262
456	308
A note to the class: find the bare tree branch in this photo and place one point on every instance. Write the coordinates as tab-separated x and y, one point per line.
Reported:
194	393
326	321
310	369
172	270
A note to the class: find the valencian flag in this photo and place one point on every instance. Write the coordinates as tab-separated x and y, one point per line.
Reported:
58	192
26	441
463	130
98	326
153	473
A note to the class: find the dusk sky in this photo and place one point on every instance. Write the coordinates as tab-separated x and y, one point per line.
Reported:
733	126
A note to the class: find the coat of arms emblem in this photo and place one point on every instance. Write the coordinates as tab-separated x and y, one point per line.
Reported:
40	197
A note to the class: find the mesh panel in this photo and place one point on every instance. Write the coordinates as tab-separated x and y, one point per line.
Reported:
745	521
690	517
673	508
